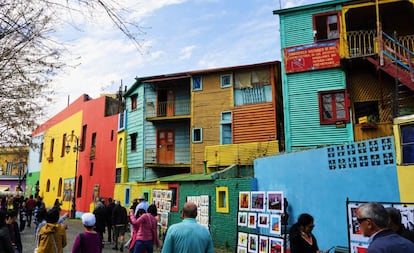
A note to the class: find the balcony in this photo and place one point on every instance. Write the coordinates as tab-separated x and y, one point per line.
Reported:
168	110
221	156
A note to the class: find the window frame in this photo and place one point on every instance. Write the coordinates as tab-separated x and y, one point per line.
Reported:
405	144
224	122
174	208
223	85
134	102
326	15
334	119
193	134
133	146
192	83
219	208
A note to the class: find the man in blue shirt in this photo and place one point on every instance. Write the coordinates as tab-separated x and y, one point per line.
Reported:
188	236
373	222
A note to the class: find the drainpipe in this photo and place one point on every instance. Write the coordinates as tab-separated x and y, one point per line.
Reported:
205	167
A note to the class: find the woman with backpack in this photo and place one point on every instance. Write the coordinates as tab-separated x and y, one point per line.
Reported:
88	241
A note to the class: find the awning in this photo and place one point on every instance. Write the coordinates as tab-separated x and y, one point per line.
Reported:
4	188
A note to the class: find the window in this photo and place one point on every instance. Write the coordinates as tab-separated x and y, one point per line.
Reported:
83	139
118	175
93	146
59	192
40	152
367	109
333	107
225	124
133	137
326	26
127	196
79	188
222	204
174	196
226	81
62	151
120	151
134	98
91	170
197	135
112	135
48	185
407	143
52	144
197	83
121	120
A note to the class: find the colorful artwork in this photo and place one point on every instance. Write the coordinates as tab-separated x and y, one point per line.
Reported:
257	201
263	220
275	202
275	245
241	249
275	224
263	244
242	219
244	201
252	220
242	239
68	189
253	243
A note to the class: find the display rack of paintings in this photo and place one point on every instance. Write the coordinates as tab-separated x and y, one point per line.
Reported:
260	213
359	243
203	208
162	199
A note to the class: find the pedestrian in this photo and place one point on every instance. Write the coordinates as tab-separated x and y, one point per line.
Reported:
100	215
14	230
52	236
5	240
119	222
30	204
396	224
142	204
109	208
145	234
88	241
301	238
373	222
188	235
22	215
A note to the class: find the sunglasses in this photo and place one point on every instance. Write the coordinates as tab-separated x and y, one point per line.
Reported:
360	220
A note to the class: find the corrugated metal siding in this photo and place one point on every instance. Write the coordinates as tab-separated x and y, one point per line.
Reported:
297	28
254	123
305	129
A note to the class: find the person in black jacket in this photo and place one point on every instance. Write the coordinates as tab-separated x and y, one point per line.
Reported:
301	238
5	241
109	209
14	230
395	224
100	215
119	222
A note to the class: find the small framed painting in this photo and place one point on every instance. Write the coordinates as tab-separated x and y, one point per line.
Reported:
263	244
252	220
241	249
242	219
275	224
253	243
257	201
275	245
263	220
242	239
275	202
244	201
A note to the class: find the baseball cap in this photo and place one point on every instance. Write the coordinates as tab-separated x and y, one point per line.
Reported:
88	219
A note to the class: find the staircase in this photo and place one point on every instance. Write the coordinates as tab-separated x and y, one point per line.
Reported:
396	59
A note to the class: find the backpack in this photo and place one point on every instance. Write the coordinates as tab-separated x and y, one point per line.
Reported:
81	237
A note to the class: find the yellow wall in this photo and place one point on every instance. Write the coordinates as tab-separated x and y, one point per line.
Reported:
62	166
405	172
211	101
136	190
121	157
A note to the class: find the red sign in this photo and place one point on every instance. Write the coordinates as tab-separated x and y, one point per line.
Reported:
312	57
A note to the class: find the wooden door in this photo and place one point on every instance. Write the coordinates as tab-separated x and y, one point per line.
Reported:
165	147
170	103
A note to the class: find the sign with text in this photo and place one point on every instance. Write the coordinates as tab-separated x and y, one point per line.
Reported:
312	57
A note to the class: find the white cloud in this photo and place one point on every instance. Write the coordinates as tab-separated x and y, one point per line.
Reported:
185	53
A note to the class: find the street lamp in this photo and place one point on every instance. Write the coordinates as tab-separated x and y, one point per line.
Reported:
69	140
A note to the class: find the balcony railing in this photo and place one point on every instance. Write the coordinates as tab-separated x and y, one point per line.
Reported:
168	109
242	154
361	43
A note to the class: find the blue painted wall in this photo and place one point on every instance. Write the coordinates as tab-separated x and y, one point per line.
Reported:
319	181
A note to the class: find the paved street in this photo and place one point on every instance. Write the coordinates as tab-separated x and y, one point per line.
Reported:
74	227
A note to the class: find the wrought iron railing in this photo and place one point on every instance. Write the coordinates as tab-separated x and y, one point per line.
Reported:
168	109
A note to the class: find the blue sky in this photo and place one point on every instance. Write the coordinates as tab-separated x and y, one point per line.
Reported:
179	35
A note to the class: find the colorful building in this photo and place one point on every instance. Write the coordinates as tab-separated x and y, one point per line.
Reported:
345	73
13	166
78	154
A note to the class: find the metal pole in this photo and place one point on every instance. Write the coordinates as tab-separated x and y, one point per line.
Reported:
73	209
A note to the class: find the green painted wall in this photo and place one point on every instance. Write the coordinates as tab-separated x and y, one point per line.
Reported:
223	226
